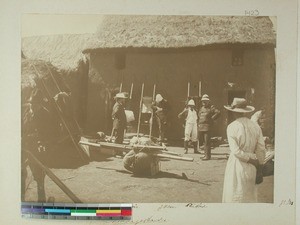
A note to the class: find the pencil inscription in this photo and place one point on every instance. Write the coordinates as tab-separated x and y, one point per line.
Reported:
254	12
196	205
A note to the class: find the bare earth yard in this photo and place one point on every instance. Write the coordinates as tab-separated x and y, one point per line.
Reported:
106	181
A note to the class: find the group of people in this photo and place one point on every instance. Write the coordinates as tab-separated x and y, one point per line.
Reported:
247	148
198	125
160	108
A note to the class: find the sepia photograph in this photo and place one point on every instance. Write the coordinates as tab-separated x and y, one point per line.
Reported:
148	108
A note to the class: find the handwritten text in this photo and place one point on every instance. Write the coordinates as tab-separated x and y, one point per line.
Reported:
196	205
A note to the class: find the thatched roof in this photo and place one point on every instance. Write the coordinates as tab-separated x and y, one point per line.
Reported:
123	31
63	51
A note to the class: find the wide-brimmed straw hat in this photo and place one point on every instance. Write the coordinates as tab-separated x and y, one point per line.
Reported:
191	102
205	97
239	105
120	95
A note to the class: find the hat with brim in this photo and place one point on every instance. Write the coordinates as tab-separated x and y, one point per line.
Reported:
205	97
191	103
120	96
239	105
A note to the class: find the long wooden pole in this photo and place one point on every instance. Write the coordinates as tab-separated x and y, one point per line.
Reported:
61	117
188	92
57	86
200	87
140	112
152	113
55	179
131	90
174	157
152	149
121	85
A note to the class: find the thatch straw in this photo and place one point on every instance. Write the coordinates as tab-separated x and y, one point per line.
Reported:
63	51
29	75
34	70
123	31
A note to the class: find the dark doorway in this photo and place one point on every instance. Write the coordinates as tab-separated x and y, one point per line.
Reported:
231	95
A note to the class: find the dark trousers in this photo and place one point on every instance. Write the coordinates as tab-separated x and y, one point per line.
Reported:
162	127
119	134
204	137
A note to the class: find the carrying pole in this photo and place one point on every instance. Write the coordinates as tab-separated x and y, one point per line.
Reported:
140	112
152	113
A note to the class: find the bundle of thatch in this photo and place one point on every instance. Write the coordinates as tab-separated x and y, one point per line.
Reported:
33	71
127	31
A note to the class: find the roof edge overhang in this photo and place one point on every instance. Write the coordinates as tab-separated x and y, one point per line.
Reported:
180	49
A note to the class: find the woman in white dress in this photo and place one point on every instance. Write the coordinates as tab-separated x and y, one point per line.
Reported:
247	153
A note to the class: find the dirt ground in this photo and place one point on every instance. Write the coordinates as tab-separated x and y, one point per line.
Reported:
106	181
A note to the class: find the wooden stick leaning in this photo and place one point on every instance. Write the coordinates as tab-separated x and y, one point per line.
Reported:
54	178
131	90
82	156
121	86
140	110
200	87
152	113
57	86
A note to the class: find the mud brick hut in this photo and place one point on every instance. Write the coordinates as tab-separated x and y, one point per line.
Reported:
231	56
64	53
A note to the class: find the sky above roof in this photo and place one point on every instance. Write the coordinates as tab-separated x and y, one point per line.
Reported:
49	24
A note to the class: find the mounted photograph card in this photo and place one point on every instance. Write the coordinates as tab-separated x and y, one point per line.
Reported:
72	123
156	116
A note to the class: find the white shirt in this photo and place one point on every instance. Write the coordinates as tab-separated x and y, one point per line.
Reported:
191	116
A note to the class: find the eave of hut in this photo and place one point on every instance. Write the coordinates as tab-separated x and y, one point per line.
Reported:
131	32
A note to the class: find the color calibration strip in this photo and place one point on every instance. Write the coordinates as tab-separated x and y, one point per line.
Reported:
76	211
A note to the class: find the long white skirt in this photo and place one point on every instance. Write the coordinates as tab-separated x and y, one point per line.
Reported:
239	182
